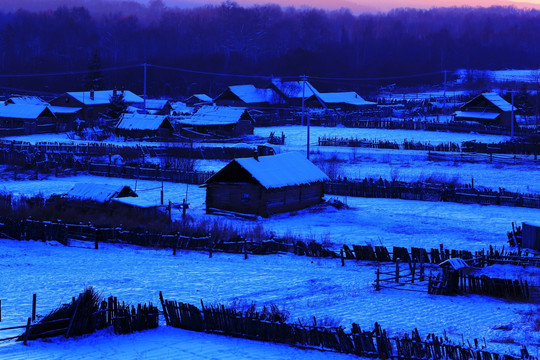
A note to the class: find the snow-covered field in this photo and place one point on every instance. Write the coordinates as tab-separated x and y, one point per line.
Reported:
305	287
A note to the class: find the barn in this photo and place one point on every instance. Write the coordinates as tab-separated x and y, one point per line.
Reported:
487	109
265	185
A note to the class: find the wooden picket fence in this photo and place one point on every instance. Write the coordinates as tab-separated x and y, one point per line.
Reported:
374	344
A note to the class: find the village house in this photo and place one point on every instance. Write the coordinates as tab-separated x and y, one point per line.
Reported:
265	185
345	101
26	100
21	119
94	104
248	96
218	121
144	125
487	109
156	106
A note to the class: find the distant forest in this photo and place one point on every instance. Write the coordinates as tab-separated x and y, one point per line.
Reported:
259	40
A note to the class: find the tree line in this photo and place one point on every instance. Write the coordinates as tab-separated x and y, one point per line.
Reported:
261	40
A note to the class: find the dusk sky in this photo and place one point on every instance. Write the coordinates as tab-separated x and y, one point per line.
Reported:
370	5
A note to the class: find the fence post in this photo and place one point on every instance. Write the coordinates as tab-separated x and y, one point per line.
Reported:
0	310
377	281
34	301
245	249
342	258
27	332
397	270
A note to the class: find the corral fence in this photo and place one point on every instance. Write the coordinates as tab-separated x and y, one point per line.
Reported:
509	147
394	189
453	282
30	229
84	316
374	344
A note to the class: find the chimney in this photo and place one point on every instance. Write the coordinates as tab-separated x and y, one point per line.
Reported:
256	155
92	94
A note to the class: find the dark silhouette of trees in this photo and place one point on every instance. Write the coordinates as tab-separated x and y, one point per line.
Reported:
262	40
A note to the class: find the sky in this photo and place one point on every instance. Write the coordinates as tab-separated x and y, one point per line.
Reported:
371	6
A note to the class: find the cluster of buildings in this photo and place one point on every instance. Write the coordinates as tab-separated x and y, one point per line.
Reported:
227	115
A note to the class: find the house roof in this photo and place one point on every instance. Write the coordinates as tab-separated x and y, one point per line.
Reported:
477	115
350	98
294	89
251	95
156	104
102	97
26	112
215	115
200	98
180	107
275	171
64	109
498	101
138	202
101	193
26	100
135	121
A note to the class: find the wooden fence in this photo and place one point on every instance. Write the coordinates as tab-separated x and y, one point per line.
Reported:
508	147
373	344
371	188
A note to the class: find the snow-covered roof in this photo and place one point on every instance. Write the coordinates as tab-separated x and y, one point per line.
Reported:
101	193
498	101
275	171
27	112
137	202
215	115
102	97
351	98
251	95
200	98
26	100
141	121
64	109
156	104
294	89
477	115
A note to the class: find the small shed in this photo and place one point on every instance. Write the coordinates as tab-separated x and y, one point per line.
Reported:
531	236
99	193
487	109
143	125
221	121
265	185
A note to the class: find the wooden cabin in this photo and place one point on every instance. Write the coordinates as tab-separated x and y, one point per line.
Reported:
219	121
487	109
22	119
531	236
345	101
94	104
144	125
265	185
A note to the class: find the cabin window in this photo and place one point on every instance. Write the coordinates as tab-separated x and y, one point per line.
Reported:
245	198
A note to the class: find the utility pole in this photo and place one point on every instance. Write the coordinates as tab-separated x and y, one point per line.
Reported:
144	102
303	112
444	93
512	121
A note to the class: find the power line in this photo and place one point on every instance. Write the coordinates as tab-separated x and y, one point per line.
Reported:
69	72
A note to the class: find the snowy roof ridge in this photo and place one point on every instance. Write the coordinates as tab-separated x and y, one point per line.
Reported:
215	115
97	192
101	97
24	111
250	94
136	121
498	101
287	169
348	97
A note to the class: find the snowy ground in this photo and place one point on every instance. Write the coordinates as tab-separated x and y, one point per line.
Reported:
305	287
